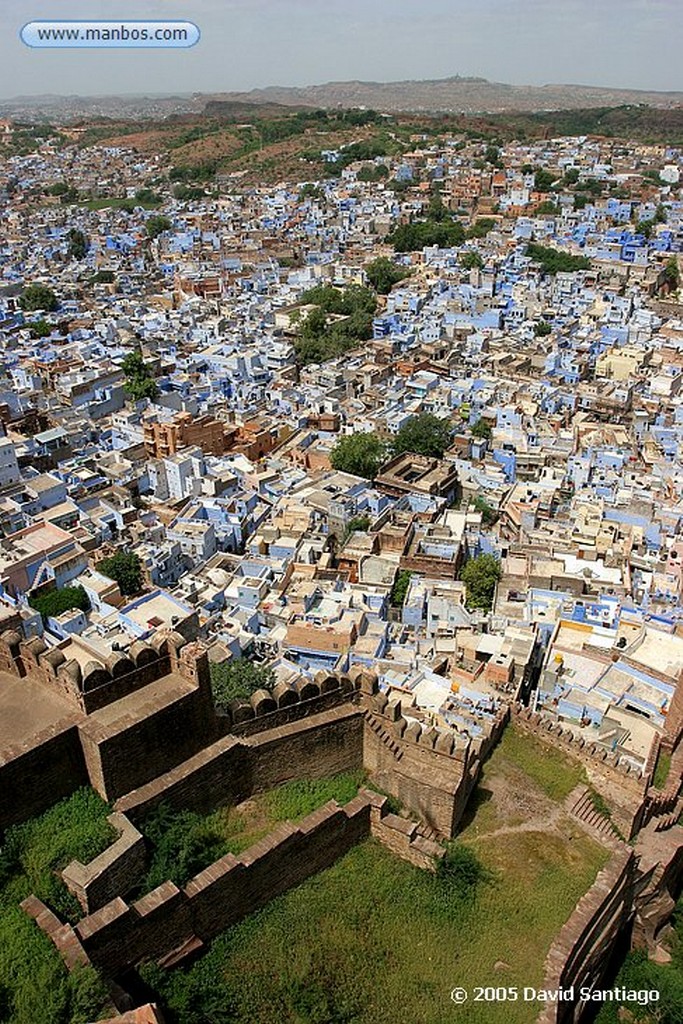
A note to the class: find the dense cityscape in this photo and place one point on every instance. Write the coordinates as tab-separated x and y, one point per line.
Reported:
341	544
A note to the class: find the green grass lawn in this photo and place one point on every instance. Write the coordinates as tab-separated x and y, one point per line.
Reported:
548	768
374	940
35	987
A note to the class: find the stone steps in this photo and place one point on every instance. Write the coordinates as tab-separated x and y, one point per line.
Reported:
581	806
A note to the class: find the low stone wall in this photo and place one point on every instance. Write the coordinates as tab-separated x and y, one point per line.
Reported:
120	935
114	873
580	955
621	785
400	835
63	935
168	921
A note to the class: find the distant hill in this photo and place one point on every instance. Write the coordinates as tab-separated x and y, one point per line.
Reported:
456	94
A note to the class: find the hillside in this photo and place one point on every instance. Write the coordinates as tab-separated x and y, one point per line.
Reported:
466	95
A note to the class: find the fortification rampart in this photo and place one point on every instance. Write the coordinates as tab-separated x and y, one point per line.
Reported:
114	873
581	952
622	785
233	768
35	774
125	725
635	891
168	921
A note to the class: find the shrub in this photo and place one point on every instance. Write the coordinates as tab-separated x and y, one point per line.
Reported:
237	680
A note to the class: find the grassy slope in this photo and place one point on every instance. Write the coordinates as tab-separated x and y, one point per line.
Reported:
374	940
34	985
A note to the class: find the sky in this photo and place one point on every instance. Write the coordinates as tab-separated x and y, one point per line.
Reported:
248	44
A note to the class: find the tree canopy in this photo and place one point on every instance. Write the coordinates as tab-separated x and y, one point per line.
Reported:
425	434
78	244
555	261
400	587
38	296
54	602
320	336
482	429
125	568
237	680
139	381
383	274
480	576
359	454
156	224
471	259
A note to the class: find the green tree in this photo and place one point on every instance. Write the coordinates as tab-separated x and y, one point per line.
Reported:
471	259
482	429
400	587
78	244
412	237
645	227
383	274
480	576
103	277
148	197
139	381
54	602
571	176
156	224
125	568
425	434
359	454
481	227
543	180
542	329
359	524
319	339
310	191
546	207
489	516
40	329
237	680
38	296
672	273
554	261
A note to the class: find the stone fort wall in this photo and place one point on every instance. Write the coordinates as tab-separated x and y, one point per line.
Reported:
623	786
169	922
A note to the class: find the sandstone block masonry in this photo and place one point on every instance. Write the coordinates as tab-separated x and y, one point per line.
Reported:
115	872
169	921
145	720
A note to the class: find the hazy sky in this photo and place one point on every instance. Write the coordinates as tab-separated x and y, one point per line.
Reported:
252	43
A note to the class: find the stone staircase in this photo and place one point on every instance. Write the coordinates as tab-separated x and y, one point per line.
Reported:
663	822
428	833
383	735
579	804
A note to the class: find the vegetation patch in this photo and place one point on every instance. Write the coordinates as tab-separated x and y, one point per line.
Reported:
183	843
547	768
35	987
374	940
